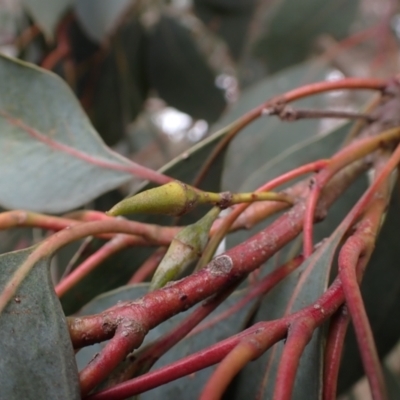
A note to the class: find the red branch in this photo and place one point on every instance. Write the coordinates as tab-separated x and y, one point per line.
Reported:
293	95
272	331
116	244
219	274
333	352
299	334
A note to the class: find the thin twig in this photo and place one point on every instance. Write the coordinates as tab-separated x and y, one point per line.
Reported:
288	113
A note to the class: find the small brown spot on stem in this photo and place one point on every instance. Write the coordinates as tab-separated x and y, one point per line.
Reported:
226	200
221	265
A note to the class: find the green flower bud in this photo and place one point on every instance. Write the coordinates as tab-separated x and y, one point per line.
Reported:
174	198
185	248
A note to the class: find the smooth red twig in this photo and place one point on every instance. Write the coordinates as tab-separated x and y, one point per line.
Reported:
223	225
333	353
116	244
328	303
195	362
299	334
349	154
145	358
150	354
353	257
22	218
290	96
87	215
348	260
220	273
245	351
153	233
62	49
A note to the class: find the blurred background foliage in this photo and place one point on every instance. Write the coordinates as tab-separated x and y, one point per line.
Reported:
156	77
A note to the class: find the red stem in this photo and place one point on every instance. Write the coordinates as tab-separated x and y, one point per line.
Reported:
333	353
352	261
62	49
314	166
230	366
222	271
349	154
181	330
261	288
348	259
150	354
295	94
327	305
20	218
117	243
193	363
299	334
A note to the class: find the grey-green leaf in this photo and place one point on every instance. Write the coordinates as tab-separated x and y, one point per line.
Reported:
180	72
99	18
47	14
51	158
37	360
291	27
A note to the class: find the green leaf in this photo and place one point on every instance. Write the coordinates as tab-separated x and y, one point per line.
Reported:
51	158
99	18
180	388
179	71
37	359
392	383
230	19
47	14
122	83
291	28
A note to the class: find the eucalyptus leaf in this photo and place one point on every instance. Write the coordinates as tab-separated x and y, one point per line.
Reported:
180	72
122	84
291	27
37	360
392	383
229	19
51	158
47	14
100	17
